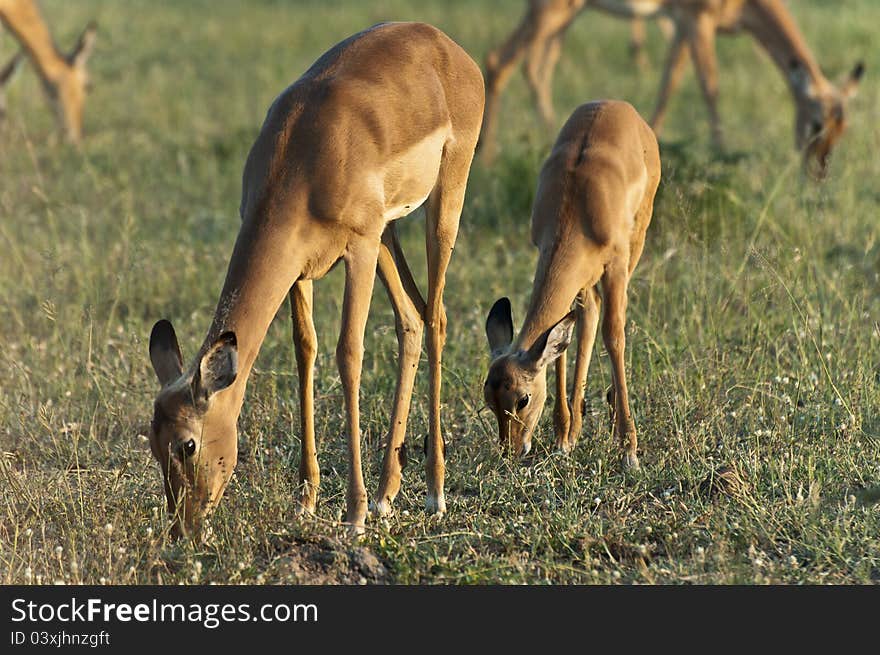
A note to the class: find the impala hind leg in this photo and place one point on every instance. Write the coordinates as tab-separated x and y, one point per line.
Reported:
305	343
588	325
360	274
614	284
408	312
703	53
443	215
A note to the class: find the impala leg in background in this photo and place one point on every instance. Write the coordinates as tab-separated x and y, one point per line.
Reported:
702	47
360	273
305	343
672	71
542	21
408	312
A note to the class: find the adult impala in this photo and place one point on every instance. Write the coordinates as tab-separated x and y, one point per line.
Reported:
592	208
820	106
64	77
382	122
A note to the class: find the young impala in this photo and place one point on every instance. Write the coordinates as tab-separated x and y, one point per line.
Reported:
592	207
820	105
65	77
384	121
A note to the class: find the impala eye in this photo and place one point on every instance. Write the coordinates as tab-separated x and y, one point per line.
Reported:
522	402
188	448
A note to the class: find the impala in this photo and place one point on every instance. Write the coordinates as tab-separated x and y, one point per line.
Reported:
820	106
592	207
64	77
384	121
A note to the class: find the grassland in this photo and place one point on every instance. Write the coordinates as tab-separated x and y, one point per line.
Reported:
753	337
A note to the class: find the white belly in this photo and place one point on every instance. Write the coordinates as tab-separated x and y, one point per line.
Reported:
411	176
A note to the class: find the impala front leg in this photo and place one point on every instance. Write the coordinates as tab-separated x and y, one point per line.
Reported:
305	343
588	324
360	273
561	409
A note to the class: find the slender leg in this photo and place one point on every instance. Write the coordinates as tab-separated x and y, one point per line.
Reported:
360	273
305	343
614	284
544	20
500	64
637	43
587	327
443	215
409	327
675	62
703	52
561	410
547	68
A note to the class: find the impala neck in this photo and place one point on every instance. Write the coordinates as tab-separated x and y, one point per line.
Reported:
265	263
29	28
775	29
558	279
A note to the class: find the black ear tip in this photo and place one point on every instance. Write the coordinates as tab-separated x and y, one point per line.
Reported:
162	330
859	70
501	310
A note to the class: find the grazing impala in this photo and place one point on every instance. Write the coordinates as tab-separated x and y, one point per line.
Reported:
384	121
592	207
64	76
820	105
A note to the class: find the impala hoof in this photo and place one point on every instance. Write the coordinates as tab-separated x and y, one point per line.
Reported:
381	508
355	530
435	504
631	463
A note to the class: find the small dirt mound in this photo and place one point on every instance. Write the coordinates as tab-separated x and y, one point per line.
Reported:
327	561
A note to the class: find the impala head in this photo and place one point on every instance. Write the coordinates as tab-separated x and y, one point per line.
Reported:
69	91
821	116
192	437
516	385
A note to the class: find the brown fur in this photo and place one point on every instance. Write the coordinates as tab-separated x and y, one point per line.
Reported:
380	122
591	212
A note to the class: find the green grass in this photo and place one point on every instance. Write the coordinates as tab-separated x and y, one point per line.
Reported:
753	335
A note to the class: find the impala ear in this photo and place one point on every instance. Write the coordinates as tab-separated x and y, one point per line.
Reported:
165	352
218	367
499	327
83	50
550	345
850	85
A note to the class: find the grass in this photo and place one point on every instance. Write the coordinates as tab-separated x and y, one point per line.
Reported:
753	334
